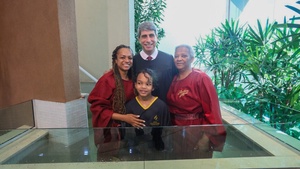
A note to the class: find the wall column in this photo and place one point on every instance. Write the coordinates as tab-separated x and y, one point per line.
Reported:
39	57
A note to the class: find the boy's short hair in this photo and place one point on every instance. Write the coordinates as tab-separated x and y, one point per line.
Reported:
151	73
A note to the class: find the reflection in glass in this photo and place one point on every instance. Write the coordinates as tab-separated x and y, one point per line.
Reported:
90	145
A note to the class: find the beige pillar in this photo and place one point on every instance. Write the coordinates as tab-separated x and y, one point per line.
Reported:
39	58
38	51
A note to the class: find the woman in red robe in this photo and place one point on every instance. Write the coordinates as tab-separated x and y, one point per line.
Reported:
108	98
192	100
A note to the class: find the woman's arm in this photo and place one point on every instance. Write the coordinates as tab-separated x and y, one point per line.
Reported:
131	119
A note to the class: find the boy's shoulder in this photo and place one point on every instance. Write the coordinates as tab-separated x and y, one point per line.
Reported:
160	102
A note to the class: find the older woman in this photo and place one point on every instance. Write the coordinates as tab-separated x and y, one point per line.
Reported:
192	100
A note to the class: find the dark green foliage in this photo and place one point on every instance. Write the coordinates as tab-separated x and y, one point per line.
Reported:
256	69
223	53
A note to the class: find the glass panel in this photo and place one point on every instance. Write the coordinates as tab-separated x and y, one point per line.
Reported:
129	144
17	116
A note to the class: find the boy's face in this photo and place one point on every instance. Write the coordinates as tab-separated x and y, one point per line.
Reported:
144	85
148	40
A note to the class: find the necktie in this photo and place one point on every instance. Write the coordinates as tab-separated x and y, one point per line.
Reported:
149	58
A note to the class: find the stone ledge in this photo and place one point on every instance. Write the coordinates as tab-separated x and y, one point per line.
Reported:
12	134
20	144
224	163
263	135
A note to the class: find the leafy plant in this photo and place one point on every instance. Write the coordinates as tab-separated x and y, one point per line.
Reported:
257	68
273	64
222	52
148	10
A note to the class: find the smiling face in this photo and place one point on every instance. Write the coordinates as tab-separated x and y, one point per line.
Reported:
144	85
183	60
124	59
148	40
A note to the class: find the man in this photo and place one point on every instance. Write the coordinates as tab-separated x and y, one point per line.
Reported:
150	57
160	62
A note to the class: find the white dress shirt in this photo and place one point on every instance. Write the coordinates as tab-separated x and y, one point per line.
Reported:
153	55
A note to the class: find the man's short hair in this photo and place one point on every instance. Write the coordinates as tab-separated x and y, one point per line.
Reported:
147	26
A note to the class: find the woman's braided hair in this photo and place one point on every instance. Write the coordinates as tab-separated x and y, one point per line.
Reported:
119	93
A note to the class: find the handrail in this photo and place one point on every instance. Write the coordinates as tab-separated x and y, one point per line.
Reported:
88	74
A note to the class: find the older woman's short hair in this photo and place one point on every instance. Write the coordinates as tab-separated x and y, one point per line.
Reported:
188	47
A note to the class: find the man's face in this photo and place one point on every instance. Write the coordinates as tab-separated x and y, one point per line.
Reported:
148	40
